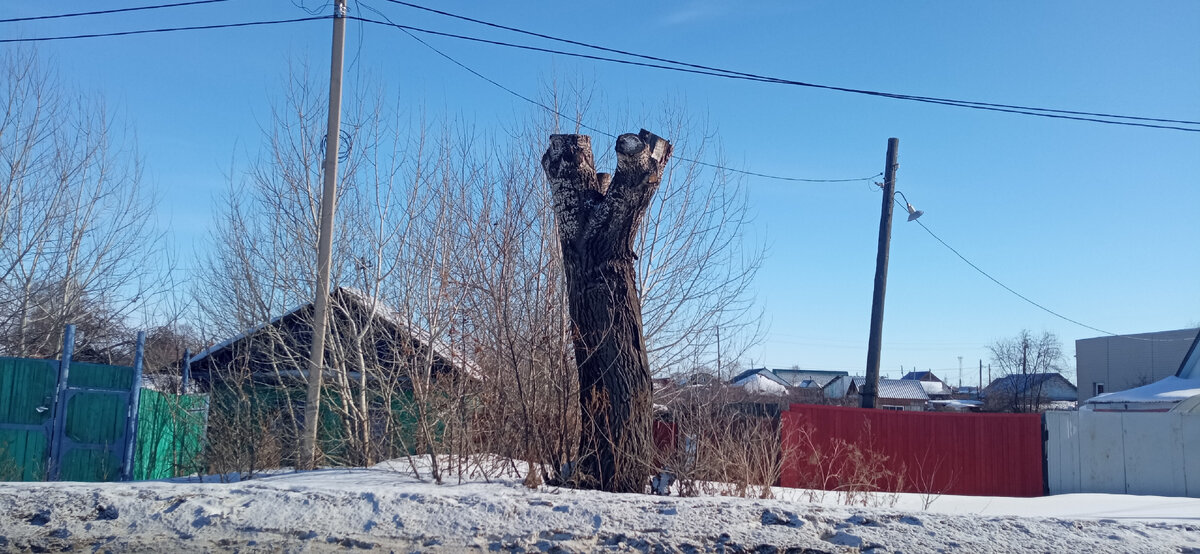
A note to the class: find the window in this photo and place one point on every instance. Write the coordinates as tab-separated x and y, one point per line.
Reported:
896	408
1097	389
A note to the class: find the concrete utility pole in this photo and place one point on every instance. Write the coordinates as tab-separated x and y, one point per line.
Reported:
316	358
870	389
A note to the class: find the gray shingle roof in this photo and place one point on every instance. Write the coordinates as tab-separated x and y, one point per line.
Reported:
901	389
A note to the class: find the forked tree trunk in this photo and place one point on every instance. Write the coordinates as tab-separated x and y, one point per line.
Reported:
597	218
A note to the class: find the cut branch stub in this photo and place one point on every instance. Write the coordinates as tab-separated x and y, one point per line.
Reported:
597	221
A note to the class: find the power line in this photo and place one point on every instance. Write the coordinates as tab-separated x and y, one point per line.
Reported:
594	129
104	12
165	30
1006	287
1011	108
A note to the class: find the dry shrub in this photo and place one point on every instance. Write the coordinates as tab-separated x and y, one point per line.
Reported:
726	443
854	470
241	442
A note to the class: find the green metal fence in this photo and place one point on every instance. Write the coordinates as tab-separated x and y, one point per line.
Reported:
170	439
91	438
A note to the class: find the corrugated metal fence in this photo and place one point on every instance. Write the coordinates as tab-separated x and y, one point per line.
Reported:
1131	453
86	428
826	447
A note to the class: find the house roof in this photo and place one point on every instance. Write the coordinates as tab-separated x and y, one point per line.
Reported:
376	308
829	372
1168	390
933	388
740	378
806	378
1021	383
920	376
762	384
900	389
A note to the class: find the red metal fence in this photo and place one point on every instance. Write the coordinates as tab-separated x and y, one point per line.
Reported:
923	452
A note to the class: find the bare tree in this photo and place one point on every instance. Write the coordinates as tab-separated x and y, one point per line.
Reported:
1025	361
450	235
76	241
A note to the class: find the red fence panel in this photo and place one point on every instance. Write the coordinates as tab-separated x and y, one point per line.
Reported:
923	452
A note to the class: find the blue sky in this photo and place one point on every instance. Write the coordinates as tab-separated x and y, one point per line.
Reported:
1096	222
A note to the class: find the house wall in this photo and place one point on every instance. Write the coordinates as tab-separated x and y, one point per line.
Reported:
1124	453
1058	389
908	404
1127	361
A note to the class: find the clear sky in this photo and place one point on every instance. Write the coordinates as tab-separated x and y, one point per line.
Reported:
1096	222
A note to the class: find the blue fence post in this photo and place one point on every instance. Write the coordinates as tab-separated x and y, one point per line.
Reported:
60	404
187	371
131	421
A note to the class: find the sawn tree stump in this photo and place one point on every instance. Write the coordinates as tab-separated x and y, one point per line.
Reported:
598	218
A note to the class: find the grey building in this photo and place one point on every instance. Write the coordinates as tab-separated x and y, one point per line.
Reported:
1122	362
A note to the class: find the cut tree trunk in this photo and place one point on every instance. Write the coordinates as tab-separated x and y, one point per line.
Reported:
598	217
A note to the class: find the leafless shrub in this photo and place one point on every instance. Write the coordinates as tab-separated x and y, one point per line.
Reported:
726	443
853	469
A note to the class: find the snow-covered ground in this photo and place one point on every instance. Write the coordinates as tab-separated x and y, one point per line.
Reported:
386	509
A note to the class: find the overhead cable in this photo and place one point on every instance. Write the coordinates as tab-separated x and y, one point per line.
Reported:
782	80
105	12
681	67
601	131
165	30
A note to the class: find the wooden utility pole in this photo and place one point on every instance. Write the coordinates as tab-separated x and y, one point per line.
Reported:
598	215
316	357
870	389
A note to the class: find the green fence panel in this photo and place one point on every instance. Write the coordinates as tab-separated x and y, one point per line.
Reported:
170	439
100	376
26	406
96	418
26	386
95	421
23	455
92	464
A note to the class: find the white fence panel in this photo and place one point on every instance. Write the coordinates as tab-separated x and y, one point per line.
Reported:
1062	452
1153	454
1101	452
1114	452
1189	436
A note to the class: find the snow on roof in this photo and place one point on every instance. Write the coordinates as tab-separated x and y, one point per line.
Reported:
959	405
933	387
741	378
1170	389
763	385
896	388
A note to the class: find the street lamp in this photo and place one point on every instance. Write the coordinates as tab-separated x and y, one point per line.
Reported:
913	213
870	390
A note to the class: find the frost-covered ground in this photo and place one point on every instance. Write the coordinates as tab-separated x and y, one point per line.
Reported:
385	509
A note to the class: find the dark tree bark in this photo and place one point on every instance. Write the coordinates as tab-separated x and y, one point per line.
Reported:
597	218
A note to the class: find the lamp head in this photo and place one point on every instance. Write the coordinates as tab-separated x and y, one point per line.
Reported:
913	213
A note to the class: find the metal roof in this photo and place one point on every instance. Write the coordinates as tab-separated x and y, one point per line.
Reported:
901	389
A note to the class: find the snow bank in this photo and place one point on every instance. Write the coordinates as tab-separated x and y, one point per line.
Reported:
391	510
